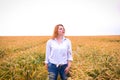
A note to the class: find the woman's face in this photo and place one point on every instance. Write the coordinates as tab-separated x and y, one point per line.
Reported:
61	30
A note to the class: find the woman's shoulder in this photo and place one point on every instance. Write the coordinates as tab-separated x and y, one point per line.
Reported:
67	39
49	40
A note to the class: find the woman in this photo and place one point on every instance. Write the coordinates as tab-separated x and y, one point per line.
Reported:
58	54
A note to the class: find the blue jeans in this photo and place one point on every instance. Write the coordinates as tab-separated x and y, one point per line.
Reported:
54	71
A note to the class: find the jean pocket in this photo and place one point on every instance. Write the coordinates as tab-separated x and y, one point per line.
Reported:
49	64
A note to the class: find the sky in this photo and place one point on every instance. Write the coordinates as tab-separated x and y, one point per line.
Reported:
79	17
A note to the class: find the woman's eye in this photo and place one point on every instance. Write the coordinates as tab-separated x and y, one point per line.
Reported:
60	29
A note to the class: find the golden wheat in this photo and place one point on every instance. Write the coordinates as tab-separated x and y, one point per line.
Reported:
95	58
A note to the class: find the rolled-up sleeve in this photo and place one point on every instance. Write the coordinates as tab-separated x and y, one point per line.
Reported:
47	51
70	58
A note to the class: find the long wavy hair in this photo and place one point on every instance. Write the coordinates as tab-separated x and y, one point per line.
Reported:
55	33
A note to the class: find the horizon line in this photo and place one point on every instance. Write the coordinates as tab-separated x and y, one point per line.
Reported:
51	35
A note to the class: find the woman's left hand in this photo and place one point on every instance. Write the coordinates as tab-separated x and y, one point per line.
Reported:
67	69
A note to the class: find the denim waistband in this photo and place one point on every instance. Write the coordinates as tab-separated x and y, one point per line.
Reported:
58	65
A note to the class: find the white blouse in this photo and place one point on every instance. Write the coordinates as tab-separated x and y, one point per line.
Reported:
58	53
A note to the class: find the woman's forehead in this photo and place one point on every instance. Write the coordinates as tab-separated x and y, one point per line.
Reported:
60	26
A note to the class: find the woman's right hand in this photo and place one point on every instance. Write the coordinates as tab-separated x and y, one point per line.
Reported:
46	66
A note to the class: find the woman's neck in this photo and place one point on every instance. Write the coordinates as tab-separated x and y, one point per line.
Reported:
59	37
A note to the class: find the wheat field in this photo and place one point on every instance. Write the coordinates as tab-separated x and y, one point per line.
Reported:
95	58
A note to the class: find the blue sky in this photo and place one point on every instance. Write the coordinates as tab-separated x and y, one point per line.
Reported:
79	17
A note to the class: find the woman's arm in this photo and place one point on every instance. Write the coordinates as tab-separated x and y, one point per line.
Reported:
47	54
68	67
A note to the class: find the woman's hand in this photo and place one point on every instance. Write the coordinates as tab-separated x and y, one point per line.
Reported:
67	69
46	66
